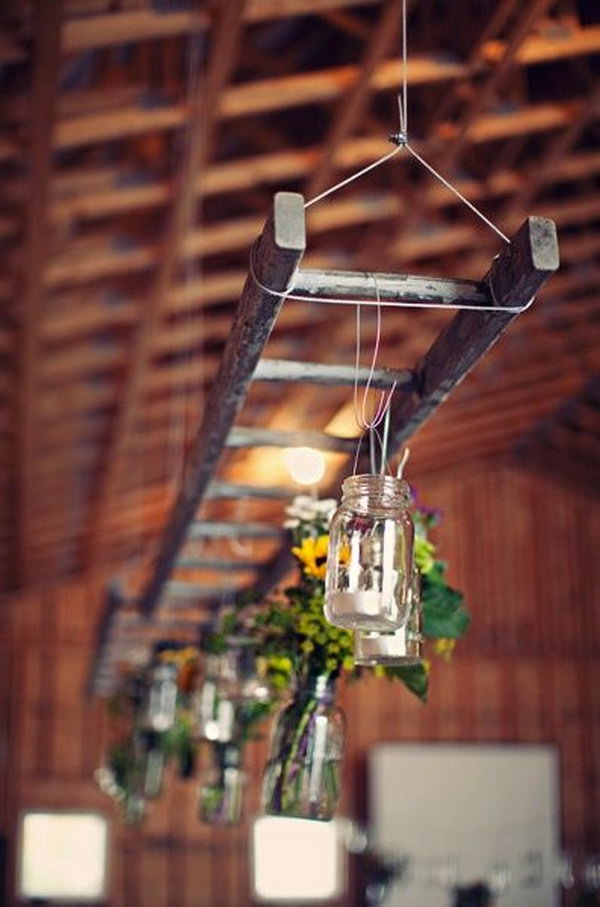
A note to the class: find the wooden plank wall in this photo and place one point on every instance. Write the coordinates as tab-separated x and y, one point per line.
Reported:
521	546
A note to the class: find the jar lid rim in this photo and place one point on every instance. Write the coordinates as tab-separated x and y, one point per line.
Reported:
392	483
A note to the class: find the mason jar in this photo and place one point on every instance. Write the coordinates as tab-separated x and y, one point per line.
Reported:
161	698
302	777
370	557
222	786
215	705
396	648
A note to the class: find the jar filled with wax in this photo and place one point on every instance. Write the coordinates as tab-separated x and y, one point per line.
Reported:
396	648
370	556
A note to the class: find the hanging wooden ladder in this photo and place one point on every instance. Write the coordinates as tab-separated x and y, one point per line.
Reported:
511	281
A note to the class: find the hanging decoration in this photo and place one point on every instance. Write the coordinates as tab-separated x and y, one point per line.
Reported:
370	558
302	776
232	701
152	726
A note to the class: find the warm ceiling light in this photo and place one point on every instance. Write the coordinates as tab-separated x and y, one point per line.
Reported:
305	465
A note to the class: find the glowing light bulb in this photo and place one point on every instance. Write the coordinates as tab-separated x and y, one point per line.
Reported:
305	465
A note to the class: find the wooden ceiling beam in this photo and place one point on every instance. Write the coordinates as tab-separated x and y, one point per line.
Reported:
485	94
268	95
127	26
277	168
197	151
247	99
233	235
47	19
354	103
554	155
279	251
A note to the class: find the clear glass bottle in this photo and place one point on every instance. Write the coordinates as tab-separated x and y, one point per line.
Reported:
222	786
370	558
397	648
230	682
161	698
303	772
151	760
215	708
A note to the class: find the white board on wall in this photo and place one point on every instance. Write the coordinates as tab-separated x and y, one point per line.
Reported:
474	810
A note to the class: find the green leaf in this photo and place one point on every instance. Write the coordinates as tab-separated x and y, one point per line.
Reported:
444	614
414	677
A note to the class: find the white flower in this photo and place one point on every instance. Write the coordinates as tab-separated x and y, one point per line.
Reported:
306	509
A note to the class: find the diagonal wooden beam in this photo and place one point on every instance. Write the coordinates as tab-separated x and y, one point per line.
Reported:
197	151
483	96
276	255
354	104
550	162
513	279
47	17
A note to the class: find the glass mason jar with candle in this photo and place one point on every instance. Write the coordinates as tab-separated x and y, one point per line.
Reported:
370	557
400	648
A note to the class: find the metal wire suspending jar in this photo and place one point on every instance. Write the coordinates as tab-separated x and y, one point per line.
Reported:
370	557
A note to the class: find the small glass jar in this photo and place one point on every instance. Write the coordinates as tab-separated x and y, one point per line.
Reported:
215	707
151	761
400	647
230	682
161	698
222	786
370	557
303	773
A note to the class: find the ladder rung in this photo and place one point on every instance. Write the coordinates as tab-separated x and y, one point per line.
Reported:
220	489
389	288
240	436
322	373
175	589
216	563
224	530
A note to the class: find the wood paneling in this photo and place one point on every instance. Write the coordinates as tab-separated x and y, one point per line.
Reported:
519	544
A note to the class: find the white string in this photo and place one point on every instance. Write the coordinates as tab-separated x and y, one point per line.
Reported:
401	140
384	398
456	192
403	104
351	178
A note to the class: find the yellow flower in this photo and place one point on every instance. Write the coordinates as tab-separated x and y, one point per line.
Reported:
444	647
313	554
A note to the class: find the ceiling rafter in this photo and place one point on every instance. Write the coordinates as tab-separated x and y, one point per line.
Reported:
354	103
197	151
44	89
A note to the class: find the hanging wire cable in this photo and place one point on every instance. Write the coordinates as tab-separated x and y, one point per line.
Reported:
401	141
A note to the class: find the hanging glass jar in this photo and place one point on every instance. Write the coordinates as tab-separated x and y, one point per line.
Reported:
397	648
151	761
370	557
160	706
222	786
231	681
303	774
246	684
215	708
